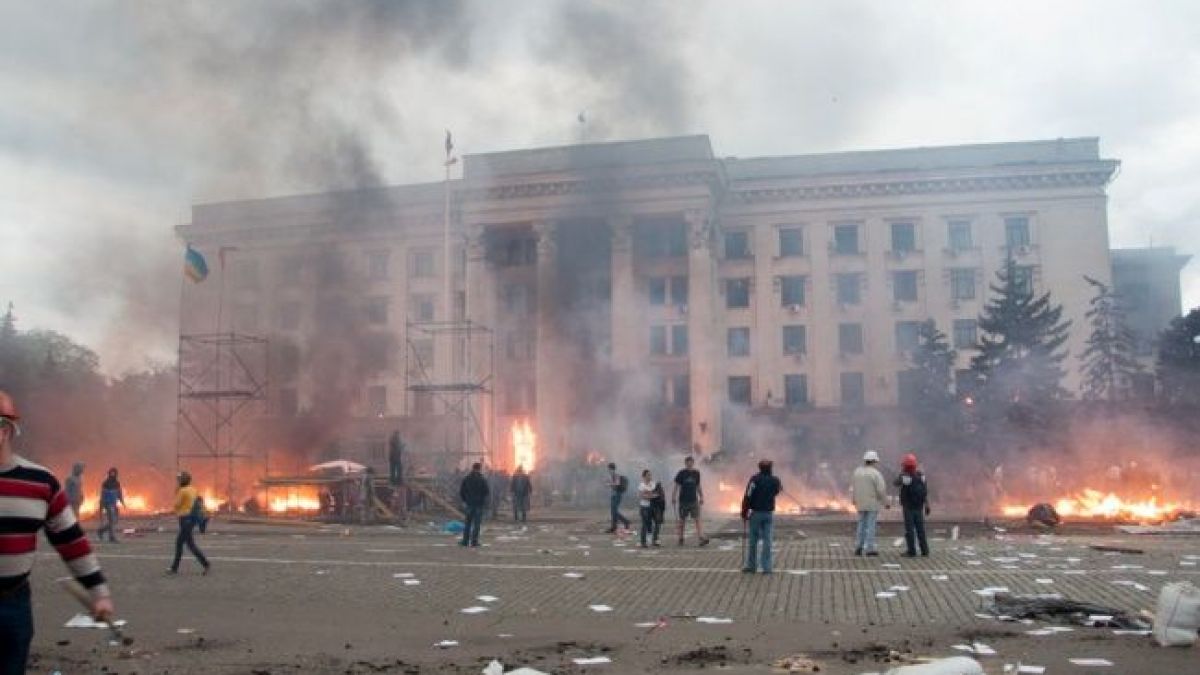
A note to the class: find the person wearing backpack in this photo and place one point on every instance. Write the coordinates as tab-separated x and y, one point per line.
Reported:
914	500
619	485
185	504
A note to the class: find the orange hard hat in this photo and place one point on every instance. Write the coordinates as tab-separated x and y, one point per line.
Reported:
7	407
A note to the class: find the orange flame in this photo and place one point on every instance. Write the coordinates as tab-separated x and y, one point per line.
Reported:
1096	504
295	500
524	442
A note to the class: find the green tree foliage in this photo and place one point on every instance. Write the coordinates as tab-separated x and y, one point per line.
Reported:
1108	364
1020	353
930	395
1179	360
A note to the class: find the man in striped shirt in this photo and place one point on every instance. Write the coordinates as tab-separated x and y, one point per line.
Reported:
32	499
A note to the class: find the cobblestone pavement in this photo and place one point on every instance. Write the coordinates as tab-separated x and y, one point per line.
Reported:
552	574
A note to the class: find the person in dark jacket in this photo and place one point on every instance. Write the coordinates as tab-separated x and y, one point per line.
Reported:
914	500
758	508
474	492
395	459
521	489
111	495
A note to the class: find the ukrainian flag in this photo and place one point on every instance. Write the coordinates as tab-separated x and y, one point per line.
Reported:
194	265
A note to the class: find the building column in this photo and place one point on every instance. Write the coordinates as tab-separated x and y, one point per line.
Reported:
481	313
550	373
624	296
703	368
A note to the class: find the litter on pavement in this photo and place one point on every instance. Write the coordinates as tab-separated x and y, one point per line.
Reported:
1091	662
712	619
600	608
446	644
85	621
474	610
592	660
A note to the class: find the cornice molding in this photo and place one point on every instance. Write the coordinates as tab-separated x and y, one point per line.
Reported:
593	185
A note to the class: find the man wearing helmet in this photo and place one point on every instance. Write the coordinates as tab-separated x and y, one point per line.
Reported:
32	499
914	499
869	493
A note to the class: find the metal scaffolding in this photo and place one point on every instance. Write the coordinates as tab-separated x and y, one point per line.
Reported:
460	379
223	384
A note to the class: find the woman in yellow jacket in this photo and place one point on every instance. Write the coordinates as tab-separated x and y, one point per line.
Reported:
185	502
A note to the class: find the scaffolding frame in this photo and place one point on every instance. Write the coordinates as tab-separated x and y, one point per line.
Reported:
224	380
463	388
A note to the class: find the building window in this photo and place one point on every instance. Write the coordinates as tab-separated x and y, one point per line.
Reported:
377	400
1016	231
737	245
421	307
906	336
852	390
965	382
795	391
848	291
791	290
850	338
658	291
904	237
845	239
738	341
965	333
516	252
662	240
681	392
1023	279
289	316
962	284
289	402
791	242
377	265
679	291
421	263
739	390
658	340
904	286
679	340
795	340
908	387
737	293
377	311
959	235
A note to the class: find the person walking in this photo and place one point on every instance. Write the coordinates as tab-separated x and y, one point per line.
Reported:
185	511
869	493
474	492
522	489
73	486
758	509
914	500
32	499
111	495
687	496
646	497
619	485
395	459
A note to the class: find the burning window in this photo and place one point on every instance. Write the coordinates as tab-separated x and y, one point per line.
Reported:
850	338
795	391
795	340
377	265
738	341
962	284
852	390
739	389
904	286
1016	231
906	336
848	288
791	242
904	237
737	245
421	263
845	239
959	234
965	333
791	290
737	293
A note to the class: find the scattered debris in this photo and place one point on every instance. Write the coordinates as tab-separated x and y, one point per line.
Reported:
573	575
1186	526
486	598
412	582
797	663
1105	548
955	665
85	621
976	648
446	644
600	608
1050	607
1043	515
474	610
713	619
592	660
1177	616
1091	662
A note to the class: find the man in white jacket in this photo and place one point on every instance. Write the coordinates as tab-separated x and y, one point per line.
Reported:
869	493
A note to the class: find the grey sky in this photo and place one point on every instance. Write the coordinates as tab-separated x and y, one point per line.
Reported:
116	116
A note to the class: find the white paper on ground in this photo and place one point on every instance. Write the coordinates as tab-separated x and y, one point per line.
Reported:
403	575
322	572
1091	662
898	588
885	594
1044	581
85	621
798	573
1126	631
185	631
983	650
974	562
486	598
891	566
991	590
573	575
592	660
941	577
712	619
1031	670
646	624
474	610
505	635
600	608
412	582
444	644
1041	633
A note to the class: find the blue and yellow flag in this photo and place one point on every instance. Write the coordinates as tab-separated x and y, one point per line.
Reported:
195	267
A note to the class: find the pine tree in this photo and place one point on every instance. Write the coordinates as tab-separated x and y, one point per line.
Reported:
1020	353
930	388
1179	360
1108	365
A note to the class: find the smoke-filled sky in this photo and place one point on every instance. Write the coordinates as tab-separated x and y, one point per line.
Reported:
117	116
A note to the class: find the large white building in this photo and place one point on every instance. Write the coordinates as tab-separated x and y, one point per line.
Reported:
653	286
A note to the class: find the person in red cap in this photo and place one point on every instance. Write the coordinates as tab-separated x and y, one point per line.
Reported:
914	501
32	499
